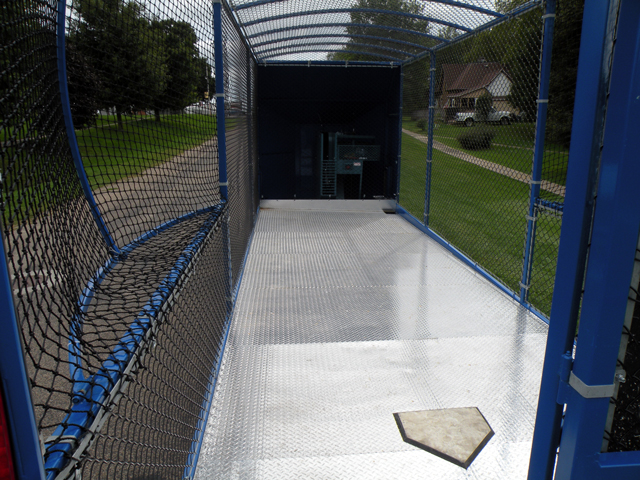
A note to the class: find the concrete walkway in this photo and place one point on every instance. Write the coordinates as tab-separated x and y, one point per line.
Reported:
494	167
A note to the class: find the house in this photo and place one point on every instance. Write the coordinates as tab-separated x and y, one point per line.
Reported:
460	85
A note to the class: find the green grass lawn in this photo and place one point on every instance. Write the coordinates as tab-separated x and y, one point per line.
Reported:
483	214
512	147
110	154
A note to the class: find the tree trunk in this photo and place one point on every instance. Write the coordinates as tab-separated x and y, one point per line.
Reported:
119	115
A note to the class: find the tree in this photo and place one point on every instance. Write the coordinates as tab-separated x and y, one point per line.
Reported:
126	51
84	86
183	66
27	68
205	80
358	34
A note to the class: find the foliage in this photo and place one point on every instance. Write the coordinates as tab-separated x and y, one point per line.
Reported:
476	139
135	71
184	68
422	124
516	44
361	32
27	36
84	86
483	106
564	70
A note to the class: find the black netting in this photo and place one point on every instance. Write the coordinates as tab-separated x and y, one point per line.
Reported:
123	303
623	434
241	160
124	255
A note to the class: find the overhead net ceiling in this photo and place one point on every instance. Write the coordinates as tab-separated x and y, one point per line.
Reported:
396	31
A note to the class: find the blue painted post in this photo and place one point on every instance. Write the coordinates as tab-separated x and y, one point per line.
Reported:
71	133
220	111
579	203
538	151
612	255
399	158
431	120
15	385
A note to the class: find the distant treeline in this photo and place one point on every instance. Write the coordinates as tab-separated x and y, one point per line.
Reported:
122	57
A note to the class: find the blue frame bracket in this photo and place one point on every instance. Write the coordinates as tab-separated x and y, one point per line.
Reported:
538	151
431	122
71	133
220	99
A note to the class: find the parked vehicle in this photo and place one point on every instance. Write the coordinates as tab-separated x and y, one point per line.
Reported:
494	116
202	108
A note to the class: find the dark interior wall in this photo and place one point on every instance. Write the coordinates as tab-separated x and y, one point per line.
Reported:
298	102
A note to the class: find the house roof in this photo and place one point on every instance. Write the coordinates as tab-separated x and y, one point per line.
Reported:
459	78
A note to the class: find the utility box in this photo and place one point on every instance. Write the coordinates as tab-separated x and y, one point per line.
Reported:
342	162
328	131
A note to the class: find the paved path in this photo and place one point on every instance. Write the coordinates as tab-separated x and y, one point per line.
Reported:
494	167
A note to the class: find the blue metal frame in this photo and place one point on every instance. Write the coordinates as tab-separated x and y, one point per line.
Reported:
399	157
342	35
431	121
91	394
591	89
331	63
538	150
84	301
259	53
192	461
612	255
444	2
342	24
325	11
220	107
23	432
487	26
466	260
71	133
328	50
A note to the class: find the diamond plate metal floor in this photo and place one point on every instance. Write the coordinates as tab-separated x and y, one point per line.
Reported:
344	318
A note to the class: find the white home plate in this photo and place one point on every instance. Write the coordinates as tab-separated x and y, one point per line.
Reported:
454	434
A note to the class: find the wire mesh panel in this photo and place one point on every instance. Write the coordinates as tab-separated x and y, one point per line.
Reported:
485	106
549	211
485	90
241	159
150	75
117	237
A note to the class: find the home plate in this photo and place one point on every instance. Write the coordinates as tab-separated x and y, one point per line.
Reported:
454	434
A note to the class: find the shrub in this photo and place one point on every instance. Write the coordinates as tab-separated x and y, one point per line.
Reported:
476	139
422	124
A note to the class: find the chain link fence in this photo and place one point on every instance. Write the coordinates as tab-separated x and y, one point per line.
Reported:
474	191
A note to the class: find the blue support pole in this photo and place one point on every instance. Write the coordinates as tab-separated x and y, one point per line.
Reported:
220	110
399	158
538	151
25	442
71	133
431	120
612	255
578	209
